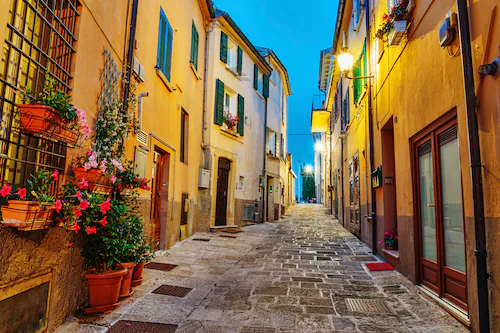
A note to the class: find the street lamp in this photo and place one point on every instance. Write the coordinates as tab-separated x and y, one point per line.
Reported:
319	146
308	169
346	60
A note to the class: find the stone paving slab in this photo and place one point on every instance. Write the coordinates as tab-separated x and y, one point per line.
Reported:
299	275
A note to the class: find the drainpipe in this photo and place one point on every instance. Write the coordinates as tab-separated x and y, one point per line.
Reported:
476	170
342	158
139	109
130	54
370	130
205	88
331	164
264	179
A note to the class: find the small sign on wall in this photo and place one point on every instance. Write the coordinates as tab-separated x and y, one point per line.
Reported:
377	177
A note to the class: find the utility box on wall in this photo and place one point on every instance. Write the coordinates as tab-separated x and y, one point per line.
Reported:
204	178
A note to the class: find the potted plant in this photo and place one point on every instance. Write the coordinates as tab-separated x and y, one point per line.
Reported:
390	240
393	25
147	255
30	207
229	122
126	180
95	175
51	113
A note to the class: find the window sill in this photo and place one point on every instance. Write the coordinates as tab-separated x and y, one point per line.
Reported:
169	86
259	94
229	134
233	71
273	156
195	71
392	253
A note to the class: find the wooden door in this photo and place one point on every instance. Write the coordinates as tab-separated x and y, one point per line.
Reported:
355	197
439	211
159	200
222	192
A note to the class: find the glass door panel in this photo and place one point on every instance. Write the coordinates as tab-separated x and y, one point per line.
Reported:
427	205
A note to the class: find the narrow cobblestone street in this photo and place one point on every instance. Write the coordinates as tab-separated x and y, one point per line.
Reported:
298	275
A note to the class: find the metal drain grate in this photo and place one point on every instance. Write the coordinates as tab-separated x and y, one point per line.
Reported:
367	305
228	236
172	290
248	329
363	258
323	258
141	327
201	239
160	267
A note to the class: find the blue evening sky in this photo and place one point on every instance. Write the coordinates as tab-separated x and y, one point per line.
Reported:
296	30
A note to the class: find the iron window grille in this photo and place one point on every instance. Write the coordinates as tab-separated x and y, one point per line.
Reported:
40	39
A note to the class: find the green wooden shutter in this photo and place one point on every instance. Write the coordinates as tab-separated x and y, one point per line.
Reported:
282	146
162	36
241	115
255	77
219	102
239	66
265	88
223	47
195	38
170	37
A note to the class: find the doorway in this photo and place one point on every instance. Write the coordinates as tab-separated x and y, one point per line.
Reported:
222	191
159	202
269	199
439	212
354	196
388	177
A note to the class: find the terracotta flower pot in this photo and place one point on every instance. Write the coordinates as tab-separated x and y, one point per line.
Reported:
98	181
104	290
27	215
126	287
137	275
42	119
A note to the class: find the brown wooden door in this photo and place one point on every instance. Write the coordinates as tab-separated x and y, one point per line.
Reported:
159	200
184	209
439	212
222	192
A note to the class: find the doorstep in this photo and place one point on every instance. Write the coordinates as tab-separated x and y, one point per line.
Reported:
459	314
223	227
392	253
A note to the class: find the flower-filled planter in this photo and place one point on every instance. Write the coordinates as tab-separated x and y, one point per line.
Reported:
51	114
229	122
93	180
397	33
127	181
104	290
30	208
390	240
393	27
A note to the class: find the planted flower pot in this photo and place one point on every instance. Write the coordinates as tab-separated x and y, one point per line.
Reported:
27	215
42	119
97	180
104	289
137	274
126	286
397	33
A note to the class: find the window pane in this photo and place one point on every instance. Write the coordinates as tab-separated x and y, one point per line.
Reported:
452	206
427	203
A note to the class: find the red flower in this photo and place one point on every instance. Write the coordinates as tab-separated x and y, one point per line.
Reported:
58	205
6	190
104	221
22	193
83	184
105	206
55	175
79	195
91	230
76	227
84	204
78	213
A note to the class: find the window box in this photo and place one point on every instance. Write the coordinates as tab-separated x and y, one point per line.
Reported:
396	35
46	121
27	215
233	130
97	180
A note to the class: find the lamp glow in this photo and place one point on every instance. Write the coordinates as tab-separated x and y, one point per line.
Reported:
345	59
319	146
308	169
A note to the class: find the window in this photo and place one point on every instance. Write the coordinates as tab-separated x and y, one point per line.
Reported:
39	38
346	112
195	41
165	38
232	57
271	143
359	69
184	136
231	54
356	13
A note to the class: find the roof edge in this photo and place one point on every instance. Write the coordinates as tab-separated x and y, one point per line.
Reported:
280	64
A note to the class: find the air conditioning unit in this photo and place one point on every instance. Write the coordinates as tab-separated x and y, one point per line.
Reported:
142	137
139	70
204	178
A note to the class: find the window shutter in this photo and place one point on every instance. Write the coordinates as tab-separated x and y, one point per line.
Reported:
239	66
265	88
241	115
162	36
223	47
170	37
195	38
255	77
276	145
219	102
282	147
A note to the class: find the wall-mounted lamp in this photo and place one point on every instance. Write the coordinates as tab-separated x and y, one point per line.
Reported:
492	69
308	169
319	146
346	60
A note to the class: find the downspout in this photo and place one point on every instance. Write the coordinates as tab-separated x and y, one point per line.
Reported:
130	53
476	169
205	89
264	179
342	157
370	130
331	164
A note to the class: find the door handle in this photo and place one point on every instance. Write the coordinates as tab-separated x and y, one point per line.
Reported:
431	205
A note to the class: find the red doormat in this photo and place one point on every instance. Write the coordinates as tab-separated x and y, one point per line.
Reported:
379	266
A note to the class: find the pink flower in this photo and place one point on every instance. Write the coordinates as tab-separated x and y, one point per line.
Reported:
76	227
91	230
55	175
79	195
113	179
381	242
89	153
84	204
6	190
22	193
86	166
58	205
78	213
104	221
105	206
83	183
102	167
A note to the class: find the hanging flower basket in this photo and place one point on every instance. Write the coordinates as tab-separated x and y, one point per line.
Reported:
92	179
27	215
397	33
44	120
